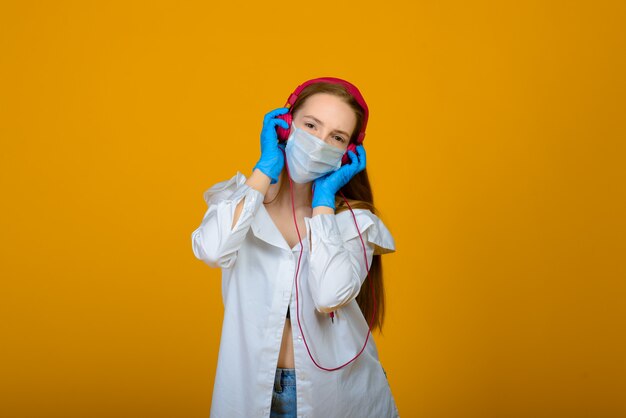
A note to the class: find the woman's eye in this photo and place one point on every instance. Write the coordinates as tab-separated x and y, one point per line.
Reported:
310	125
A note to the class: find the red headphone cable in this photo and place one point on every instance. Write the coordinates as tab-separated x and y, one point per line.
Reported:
331	314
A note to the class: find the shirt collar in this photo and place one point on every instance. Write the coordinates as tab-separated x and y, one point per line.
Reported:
264	228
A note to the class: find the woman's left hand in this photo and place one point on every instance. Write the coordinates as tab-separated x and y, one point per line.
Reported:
327	186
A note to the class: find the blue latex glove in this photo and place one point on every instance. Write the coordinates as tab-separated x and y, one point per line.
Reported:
326	187
272	159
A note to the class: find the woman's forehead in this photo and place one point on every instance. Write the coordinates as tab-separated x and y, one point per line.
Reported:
329	109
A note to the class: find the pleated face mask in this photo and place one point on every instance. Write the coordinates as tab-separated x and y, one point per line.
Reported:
309	157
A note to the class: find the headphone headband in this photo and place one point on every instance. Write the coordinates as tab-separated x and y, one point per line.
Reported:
352	89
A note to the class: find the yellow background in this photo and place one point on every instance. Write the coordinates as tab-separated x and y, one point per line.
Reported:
495	149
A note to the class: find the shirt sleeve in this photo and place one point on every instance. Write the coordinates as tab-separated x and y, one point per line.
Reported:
337	259
215	241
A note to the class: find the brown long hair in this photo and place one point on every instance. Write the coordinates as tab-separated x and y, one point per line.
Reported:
358	192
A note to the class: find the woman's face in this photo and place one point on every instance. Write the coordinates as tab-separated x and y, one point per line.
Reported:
327	117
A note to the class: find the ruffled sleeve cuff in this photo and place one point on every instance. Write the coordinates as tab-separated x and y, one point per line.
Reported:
233	190
324	229
371	227
215	241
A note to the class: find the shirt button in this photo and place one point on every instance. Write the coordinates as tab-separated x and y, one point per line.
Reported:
299	338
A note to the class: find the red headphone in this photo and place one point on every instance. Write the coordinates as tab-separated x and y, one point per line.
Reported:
283	134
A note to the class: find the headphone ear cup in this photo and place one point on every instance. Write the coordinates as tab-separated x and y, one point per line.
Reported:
346	157
283	134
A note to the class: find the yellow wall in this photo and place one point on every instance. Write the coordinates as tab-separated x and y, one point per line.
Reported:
495	148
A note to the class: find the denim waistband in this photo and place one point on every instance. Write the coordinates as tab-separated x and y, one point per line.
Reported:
284	377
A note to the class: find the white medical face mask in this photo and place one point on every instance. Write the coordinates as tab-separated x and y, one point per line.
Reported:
309	157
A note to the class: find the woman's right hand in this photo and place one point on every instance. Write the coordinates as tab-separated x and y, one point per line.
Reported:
272	159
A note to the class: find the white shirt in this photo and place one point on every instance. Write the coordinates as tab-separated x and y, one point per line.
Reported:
258	271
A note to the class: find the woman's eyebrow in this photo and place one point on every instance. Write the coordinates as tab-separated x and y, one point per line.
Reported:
322	123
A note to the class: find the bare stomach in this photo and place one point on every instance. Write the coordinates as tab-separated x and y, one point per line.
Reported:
285	358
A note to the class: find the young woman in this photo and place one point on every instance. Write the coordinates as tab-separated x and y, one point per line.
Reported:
301	269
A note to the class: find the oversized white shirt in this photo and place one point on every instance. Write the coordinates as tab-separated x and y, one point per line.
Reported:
258	272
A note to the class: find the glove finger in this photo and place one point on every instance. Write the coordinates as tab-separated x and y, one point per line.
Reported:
282	122
269	130
349	170
331	178
354	160
362	157
276	121
273	113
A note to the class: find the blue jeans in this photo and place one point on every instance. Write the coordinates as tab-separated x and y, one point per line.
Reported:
284	396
